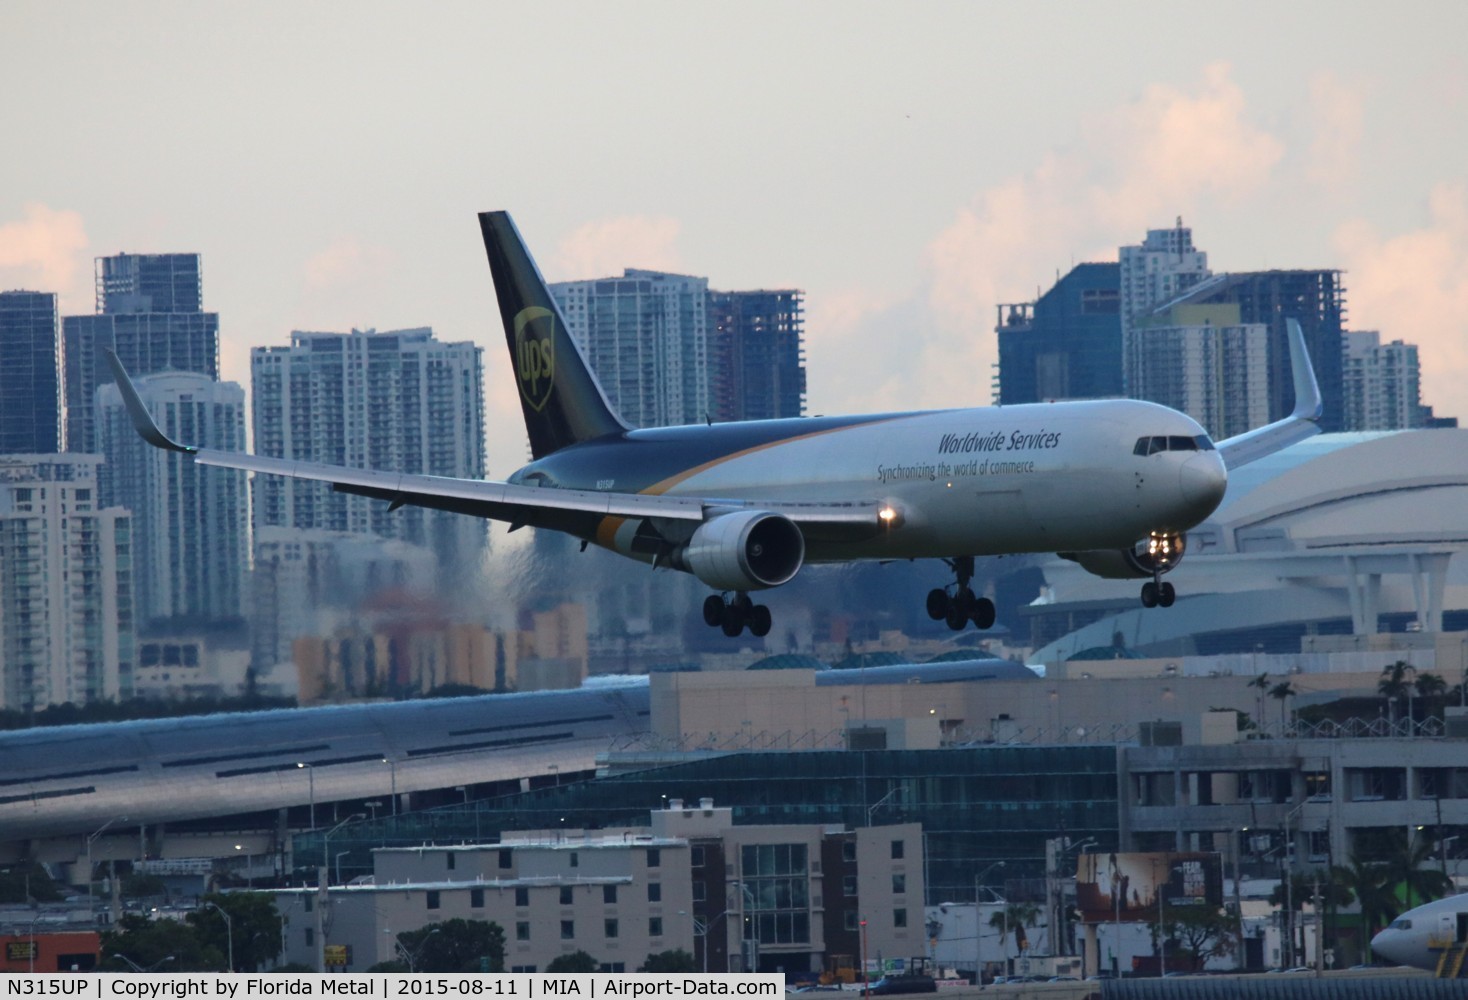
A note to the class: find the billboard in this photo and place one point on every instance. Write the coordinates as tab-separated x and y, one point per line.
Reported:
1126	886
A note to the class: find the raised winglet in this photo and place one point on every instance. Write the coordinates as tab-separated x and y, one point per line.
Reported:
1303	422
141	418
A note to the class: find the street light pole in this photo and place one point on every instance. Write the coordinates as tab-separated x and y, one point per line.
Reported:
228	930
311	777
978	928
91	837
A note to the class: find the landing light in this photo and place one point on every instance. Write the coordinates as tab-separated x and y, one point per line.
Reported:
889	516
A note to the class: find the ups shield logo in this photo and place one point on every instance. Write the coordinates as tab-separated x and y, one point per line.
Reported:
535	355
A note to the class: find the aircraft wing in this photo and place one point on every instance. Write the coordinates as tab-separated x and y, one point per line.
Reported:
1303	422
517	504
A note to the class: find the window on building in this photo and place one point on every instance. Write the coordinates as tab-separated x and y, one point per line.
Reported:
609	927
522	930
852	922
609	894
899	883
848	850
848	885
654	926
476	898
506	859
654	892
898	848
310	936
654	857
1317	786
433	899
568	930
899	917
696	857
700	892
522	896
575	860
566	899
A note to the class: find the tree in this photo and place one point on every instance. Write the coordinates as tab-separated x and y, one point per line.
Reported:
576	961
456	945
676	960
1378	903
170	945
1201	932
1260	684
1284	690
1014	918
1408	869
28	883
1335	892
1394	685
1432	690
253	928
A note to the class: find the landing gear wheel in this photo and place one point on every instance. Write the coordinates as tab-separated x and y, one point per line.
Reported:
733	621
759	621
713	610
938	604
957	620
1149	594
1166	594
983	613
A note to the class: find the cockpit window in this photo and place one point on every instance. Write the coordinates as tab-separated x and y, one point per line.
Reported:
1401	925
1173	442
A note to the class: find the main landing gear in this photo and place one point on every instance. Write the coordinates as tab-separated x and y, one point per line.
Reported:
734	614
961	606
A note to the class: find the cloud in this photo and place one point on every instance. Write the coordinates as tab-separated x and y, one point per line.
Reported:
46	251
1337	114
605	247
1413	286
1171	151
347	262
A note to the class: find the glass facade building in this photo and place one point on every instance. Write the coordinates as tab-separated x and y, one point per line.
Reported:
1065	345
30	394
977	806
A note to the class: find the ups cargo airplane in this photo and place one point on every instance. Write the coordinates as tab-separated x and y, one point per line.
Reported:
1432	936
1113	484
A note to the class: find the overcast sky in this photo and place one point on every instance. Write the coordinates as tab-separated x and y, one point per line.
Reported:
908	165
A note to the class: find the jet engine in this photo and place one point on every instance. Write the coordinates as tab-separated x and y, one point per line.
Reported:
1155	554
744	550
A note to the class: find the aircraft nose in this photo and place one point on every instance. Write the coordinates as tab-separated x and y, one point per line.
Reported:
1203	480
1388	944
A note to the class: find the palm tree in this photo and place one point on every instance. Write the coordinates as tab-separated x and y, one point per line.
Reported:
1015	917
1408	866
1393	685
1378	903
1432	689
1283	691
1260	683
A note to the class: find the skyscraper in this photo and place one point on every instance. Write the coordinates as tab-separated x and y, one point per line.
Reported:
755	361
1316	299
397	400
1163	266
1201	360
1066	344
645	336
149	311
190	520
30	396
1381	384
66	607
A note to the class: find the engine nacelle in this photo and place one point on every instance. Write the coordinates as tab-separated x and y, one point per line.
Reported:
1158	553
744	550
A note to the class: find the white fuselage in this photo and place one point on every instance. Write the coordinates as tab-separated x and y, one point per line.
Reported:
1419	936
995	480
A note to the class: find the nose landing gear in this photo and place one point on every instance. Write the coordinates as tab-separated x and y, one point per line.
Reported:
957	604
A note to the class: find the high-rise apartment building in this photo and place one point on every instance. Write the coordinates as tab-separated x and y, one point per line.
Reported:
1381	384
755	358
1203	361
645	336
1316	299
398	401
1161	268
66	603
149	310
191	521
30	394
1066	344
